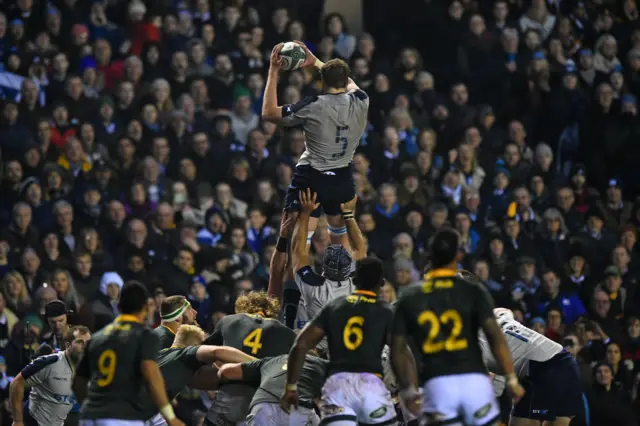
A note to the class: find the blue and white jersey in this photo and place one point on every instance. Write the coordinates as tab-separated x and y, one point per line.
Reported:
524	344
315	292
51	397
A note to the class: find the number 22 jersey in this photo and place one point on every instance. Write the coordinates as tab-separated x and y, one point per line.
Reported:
443	315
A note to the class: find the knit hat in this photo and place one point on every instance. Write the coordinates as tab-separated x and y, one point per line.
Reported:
87	62
55	308
34	319
239	91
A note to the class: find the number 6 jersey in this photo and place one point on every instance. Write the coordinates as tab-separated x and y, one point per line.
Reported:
444	314
356	327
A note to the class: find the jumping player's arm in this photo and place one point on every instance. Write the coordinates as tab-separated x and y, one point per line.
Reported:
353	231
299	251
147	355
352	85
288	115
307	339
82	376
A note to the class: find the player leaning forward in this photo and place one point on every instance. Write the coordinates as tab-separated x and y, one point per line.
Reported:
444	316
549	374
333	124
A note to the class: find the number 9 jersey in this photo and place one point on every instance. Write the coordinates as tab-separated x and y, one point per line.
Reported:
112	362
444	315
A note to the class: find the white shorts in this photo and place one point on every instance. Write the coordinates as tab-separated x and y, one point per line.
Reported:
352	398
467	397
265	414
156	420
111	422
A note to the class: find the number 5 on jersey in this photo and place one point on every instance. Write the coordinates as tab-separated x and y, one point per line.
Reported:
452	342
352	334
107	367
254	341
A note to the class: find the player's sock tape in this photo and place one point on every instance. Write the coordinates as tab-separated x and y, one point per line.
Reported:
309	236
338	231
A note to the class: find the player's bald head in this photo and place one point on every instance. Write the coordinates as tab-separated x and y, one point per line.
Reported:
443	248
369	274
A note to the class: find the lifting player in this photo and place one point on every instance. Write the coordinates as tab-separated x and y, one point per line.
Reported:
357	327
254	330
444	316
316	290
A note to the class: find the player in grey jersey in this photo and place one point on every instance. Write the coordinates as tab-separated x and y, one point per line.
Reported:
50	378
333	124
548	373
317	290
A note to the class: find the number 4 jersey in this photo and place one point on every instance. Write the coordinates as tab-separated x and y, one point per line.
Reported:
356	327
112	363
443	315
255	335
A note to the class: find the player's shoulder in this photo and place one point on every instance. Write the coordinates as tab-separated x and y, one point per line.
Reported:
41	363
358	94
306	275
306	102
467	279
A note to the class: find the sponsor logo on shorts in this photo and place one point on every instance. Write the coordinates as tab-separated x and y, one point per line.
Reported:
376	414
331	410
483	411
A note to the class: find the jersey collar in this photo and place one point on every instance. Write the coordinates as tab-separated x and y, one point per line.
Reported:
440	273
128	318
172	332
365	293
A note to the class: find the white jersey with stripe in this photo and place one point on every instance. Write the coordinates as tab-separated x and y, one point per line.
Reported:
524	344
333	125
315	292
51	397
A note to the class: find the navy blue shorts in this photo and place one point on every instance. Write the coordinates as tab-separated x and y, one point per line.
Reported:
553	389
333	187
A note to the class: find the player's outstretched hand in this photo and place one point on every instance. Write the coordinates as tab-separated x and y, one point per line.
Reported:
308	200
176	422
289	399
310	59
275	61
349	206
287	224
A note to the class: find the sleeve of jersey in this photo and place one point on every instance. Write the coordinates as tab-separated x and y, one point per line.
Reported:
83	370
296	114
34	372
306	276
485	304
251	371
398	325
190	358
149	346
359	95
216	337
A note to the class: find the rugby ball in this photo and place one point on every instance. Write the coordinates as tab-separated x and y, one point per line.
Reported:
292	56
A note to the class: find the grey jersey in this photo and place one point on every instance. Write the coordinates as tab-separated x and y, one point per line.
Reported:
315	292
51	397
333	126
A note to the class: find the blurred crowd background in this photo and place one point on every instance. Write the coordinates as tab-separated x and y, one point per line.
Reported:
132	147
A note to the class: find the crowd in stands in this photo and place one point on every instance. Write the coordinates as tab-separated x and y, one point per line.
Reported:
132	148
